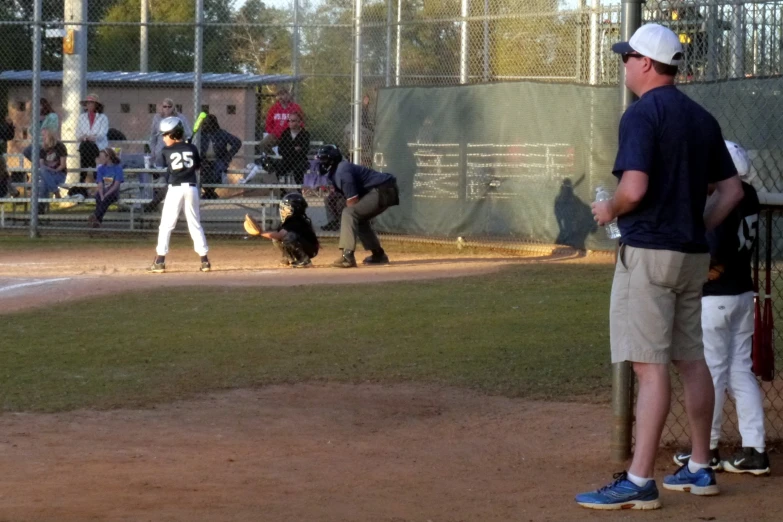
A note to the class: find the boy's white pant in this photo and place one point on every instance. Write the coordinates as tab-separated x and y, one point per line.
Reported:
727	322
177	197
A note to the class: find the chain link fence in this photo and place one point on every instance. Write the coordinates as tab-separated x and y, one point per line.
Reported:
231	58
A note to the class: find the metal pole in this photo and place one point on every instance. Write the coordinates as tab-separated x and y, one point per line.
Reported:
399	30
622	376
755	41
198	60
763	46
295	57
486	40
74	78
595	6
712	42
389	11
463	46
143	37
738	41
35	117
357	83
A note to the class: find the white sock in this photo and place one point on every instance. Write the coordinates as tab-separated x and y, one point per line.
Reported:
639	481
694	466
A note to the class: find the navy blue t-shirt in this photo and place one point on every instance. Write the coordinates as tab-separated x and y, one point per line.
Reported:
731	247
355	180
679	145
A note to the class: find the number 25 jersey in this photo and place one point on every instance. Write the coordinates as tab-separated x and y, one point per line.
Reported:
182	161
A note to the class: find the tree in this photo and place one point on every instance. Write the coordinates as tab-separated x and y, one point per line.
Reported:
261	42
170	47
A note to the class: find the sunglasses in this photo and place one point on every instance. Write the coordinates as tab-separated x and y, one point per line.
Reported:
167	106
626	56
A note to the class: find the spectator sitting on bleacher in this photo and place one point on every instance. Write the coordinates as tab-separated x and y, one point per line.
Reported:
167	109
91	130
7	130
6	190
277	119
53	164
108	167
49	121
218	148
294	146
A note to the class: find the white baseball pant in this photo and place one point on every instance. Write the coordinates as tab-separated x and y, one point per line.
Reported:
727	323
178	196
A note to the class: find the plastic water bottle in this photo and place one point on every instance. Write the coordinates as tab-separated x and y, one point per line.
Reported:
612	230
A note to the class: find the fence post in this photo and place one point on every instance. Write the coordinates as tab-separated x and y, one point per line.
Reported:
34	120
198	60
357	83
622	376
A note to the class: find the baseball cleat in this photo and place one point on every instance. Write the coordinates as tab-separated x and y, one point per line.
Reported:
205	266
379	259
621	494
700	483
748	460
157	268
304	263
683	457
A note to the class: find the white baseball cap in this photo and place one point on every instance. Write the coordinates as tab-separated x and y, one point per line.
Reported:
653	41
741	160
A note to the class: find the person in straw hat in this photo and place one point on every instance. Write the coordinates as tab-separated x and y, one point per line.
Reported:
91	130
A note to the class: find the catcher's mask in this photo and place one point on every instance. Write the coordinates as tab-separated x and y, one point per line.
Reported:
328	157
293	204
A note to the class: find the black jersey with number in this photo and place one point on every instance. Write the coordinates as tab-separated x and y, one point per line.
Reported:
182	161
303	228
731	247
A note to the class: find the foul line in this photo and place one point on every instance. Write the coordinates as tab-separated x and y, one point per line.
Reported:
33	283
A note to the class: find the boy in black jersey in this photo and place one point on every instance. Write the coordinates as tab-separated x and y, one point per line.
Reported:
727	324
295	237
182	160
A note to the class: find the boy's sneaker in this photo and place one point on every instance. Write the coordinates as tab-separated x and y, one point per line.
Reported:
157	268
682	458
205	266
700	483
748	460
621	494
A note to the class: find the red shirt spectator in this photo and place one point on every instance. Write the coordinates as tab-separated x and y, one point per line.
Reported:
277	117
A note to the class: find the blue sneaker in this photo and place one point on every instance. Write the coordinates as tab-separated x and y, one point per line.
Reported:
621	494
700	483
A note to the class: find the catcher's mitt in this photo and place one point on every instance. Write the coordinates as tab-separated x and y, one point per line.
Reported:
251	226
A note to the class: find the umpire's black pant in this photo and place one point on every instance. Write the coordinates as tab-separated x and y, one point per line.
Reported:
355	220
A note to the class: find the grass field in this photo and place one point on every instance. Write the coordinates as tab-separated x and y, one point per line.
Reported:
533	330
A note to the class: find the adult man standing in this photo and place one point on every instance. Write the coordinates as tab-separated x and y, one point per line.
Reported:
670	149
368	193
277	119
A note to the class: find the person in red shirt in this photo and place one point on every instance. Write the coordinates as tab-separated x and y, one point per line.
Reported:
277	119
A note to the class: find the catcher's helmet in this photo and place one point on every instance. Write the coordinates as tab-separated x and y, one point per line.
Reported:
293	204
328	157
172	127
741	160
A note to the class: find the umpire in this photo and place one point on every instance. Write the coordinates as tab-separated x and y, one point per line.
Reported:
368	193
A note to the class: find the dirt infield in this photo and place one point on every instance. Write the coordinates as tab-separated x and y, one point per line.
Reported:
312	452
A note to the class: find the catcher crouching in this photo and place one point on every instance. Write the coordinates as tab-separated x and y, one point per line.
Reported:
295	237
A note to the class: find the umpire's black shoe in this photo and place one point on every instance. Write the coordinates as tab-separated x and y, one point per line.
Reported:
378	257
682	458
347	260
748	460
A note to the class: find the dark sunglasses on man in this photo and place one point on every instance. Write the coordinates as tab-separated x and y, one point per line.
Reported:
626	56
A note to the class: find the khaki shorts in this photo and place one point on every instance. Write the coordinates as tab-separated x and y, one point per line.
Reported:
655	311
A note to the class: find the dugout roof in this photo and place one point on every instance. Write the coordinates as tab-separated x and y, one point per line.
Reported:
126	79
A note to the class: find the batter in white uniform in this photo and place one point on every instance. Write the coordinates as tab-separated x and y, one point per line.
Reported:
182	161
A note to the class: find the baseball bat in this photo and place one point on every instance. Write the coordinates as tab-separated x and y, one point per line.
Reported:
758	325
768	346
197	125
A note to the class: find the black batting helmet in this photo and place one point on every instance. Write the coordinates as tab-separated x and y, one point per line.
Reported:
292	204
328	157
